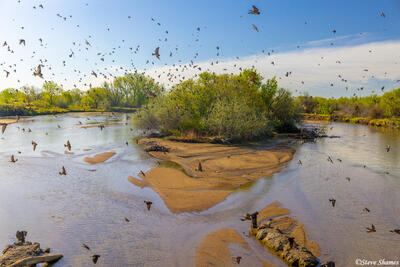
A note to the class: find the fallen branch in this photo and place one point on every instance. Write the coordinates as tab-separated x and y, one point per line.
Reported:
36	260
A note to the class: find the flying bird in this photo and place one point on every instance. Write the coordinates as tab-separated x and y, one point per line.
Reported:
333	201
34	144
7	73
38	71
254	11
156	53
255	28
148	203
22	41
397	231
63	171
68	145
85	246
372	229
238	258
246	217
12	159
95	258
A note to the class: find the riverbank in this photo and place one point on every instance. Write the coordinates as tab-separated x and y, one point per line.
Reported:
386	122
30	110
211	171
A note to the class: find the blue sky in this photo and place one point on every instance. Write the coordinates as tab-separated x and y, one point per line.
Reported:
296	28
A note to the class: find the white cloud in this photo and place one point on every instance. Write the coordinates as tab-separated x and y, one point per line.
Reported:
318	68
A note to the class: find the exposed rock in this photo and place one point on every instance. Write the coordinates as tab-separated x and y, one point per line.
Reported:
271	234
156	147
328	264
310	133
25	253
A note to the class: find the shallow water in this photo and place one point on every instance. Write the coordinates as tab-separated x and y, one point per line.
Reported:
90	203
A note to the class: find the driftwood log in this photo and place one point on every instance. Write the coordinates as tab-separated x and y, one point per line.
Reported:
36	260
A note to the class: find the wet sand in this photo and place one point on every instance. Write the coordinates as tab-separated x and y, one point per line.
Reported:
180	192
214	250
224	168
316	122
8	121
300	235
272	210
99	158
103	125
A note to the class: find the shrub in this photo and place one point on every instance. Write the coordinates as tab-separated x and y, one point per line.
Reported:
234	119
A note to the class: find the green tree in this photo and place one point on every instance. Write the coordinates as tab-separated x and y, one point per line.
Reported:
134	89
50	91
391	103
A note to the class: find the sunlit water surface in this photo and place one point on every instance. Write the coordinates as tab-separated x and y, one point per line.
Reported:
90	203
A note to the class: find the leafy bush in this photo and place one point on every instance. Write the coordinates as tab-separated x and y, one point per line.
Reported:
234	119
232	106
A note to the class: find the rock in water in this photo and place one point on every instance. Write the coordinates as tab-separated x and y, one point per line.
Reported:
25	253
285	246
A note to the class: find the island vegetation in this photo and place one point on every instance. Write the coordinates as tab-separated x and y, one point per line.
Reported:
237	107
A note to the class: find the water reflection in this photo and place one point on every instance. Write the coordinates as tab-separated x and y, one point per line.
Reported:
90	203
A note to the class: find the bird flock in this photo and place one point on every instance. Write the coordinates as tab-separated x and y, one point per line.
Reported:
372	228
63	171
171	73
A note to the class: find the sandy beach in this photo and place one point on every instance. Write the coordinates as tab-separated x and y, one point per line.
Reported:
103	125
224	168
99	158
7	121
214	250
320	122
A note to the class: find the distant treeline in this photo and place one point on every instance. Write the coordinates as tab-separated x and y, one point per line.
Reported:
233	106
125	93
373	110
374	106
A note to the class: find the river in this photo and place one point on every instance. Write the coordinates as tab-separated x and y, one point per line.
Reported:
89	204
